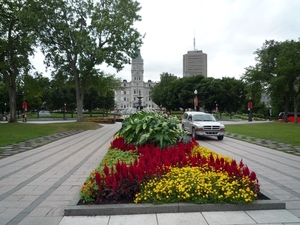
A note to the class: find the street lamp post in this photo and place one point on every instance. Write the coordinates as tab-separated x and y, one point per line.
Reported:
217	111
115	111
270	112
4	114
249	108
65	112
196	100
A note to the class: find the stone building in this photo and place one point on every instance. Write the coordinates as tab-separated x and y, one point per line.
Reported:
136	92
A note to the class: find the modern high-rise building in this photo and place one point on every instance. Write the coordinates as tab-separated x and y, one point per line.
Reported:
136	92
195	63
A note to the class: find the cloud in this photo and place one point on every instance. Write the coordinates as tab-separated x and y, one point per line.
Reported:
229	31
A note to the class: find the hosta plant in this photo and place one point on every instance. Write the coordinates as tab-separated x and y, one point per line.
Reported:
152	128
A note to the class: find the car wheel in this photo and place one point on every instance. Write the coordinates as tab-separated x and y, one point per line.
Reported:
220	138
194	135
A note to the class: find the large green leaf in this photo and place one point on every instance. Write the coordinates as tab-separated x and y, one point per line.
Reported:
151	128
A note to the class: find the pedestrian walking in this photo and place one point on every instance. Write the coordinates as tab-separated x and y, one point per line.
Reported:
24	118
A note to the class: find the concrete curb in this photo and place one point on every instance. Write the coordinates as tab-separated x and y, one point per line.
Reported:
295	150
125	209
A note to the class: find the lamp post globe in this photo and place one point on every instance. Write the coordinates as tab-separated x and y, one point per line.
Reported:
195	100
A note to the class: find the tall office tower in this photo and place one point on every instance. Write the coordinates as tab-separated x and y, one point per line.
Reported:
195	63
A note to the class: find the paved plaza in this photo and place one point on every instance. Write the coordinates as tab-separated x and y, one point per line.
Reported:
37	185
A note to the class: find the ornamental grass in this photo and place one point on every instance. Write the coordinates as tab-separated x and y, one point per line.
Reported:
143	171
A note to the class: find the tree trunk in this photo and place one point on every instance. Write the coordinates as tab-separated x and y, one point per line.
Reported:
12	104
296	103
79	86
79	97
10	82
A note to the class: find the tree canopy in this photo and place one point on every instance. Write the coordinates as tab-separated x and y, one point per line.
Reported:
17	41
78	35
278	72
178	93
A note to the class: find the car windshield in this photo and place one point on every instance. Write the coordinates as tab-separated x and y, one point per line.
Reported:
205	117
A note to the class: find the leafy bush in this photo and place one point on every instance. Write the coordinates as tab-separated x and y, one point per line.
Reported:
150	127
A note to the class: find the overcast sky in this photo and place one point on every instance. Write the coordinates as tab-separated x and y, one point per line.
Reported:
228	31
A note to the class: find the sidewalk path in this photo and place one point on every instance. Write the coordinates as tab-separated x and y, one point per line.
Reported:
36	185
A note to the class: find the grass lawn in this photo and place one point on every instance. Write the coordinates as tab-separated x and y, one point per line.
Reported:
287	133
12	133
68	115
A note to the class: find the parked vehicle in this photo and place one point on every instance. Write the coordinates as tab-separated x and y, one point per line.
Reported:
44	113
290	118
202	124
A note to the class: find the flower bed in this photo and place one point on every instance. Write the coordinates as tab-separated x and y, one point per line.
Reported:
99	119
180	172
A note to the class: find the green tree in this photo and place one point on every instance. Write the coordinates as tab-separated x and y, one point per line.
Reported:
78	35
256	85
277	71
101	87
160	92
230	95
17	42
36	91
189	85
62	94
107	102
288	69
4	98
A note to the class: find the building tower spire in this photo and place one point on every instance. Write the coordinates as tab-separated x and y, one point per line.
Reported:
194	41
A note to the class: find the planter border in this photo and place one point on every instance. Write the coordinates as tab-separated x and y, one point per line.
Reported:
73	209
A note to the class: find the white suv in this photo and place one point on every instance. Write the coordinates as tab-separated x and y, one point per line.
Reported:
202	124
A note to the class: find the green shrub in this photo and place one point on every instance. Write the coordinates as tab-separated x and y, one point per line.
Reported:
152	128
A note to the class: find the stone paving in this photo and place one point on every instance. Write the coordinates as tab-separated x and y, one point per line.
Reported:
36	186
